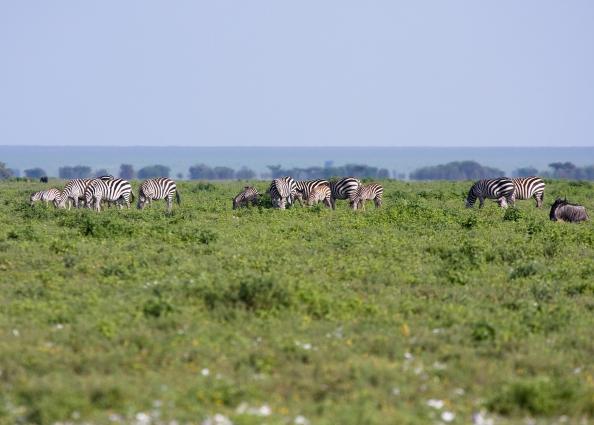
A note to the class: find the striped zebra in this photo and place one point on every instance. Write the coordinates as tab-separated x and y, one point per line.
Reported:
367	192
247	195
320	193
282	191
501	189
46	196
305	187
343	189
529	187
73	192
159	188
114	190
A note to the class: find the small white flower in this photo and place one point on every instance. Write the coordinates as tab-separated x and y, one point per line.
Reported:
447	416
301	420
437	330
16	332
480	418
142	419
217	419
436	404
114	417
408	356
205	372
264	410
59	327
459	391
395	391
439	366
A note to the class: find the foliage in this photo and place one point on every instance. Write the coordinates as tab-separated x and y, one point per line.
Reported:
153	171
334	316
329	171
127	172
5	173
458	170
76	172
35	173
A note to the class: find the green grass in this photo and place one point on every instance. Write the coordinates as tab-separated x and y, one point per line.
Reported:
341	317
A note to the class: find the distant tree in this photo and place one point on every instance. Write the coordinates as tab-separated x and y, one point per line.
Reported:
383	173
525	172
223	173
101	172
76	172
275	171
35	173
127	172
201	172
153	171
245	173
5	173
459	170
180	176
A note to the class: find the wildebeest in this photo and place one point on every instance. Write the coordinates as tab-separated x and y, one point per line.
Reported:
43	179
564	211
247	195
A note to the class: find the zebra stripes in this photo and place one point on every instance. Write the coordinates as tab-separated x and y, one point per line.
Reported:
529	187
501	188
72	193
320	193
343	189
367	192
305	187
282	191
46	196
247	195
159	188
114	190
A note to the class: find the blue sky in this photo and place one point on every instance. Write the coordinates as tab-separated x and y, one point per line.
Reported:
297	73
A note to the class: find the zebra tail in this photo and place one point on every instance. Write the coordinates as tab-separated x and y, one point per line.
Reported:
131	196
177	197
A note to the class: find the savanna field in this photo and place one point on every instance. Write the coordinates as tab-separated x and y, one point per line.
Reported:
421	312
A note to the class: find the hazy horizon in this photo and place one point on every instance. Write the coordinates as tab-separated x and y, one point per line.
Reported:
265	73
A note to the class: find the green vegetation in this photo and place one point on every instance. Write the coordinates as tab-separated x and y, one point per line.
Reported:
419	312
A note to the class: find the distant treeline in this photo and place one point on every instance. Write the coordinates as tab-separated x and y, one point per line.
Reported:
458	170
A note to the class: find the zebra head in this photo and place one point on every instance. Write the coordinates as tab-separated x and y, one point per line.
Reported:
60	200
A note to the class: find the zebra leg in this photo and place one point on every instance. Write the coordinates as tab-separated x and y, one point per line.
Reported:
169	201
481	202
333	202
377	201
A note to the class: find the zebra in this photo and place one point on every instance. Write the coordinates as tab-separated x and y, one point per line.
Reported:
529	187
282	191
501	188
112	190
47	196
73	191
159	188
247	195
367	192
343	189
320	193
564	211
305	187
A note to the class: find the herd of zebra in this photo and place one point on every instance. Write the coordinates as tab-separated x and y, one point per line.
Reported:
91	192
285	191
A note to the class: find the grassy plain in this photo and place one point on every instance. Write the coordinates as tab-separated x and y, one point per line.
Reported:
419	312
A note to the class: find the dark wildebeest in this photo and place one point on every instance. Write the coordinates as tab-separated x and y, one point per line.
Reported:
247	195
564	211
43	179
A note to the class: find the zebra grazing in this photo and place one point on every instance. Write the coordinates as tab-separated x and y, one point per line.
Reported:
73	191
321	193
529	187
114	190
367	192
305	187
47	196
564	211
247	195
160	188
282	191
501	189
343	189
